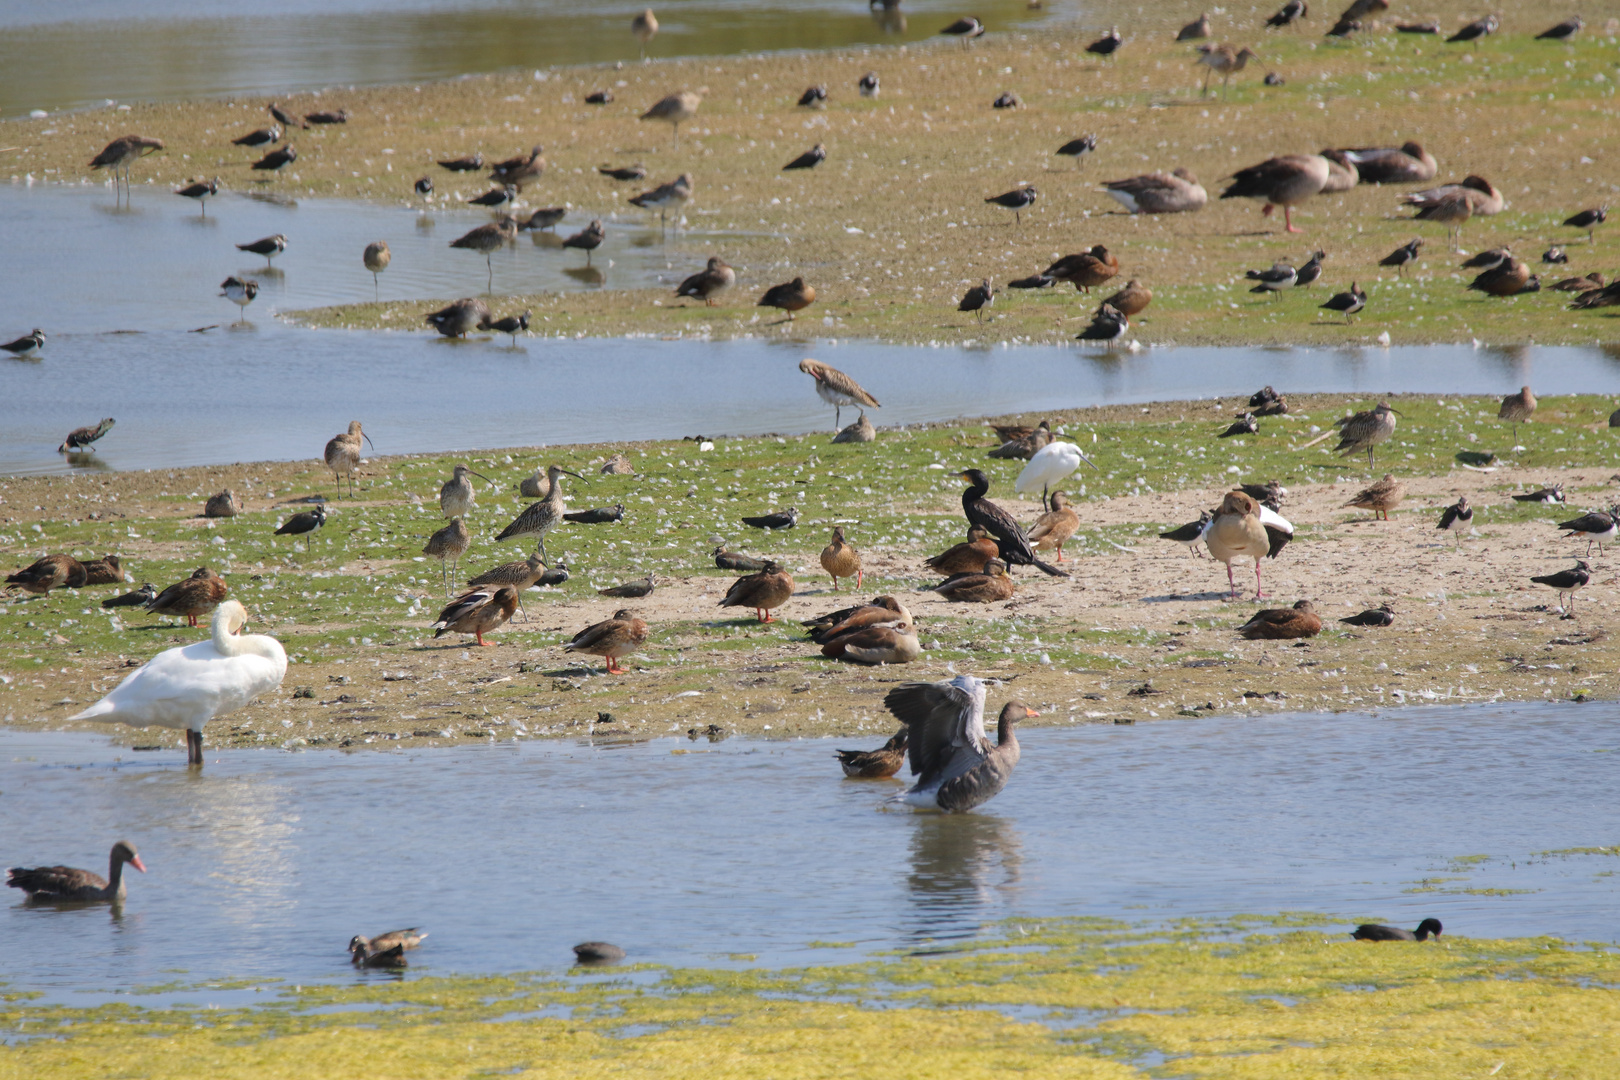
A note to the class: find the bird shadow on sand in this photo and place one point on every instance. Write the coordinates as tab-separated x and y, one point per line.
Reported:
1168	598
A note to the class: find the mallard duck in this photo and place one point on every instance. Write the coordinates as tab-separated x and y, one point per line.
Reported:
770	588
840	560
967	557
223	505
45	574
361	947
477	612
1027	446
709	282
199	594
1381	497
64	883
1085	270
984	588
610	639
1055	526
877	764
1281	624
106	570
956	767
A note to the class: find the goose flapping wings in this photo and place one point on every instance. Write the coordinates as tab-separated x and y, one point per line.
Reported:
945	722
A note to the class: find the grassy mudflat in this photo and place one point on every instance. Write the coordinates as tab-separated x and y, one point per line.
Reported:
1141	630
1251	997
893	228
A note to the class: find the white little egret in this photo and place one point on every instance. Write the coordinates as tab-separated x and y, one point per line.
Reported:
188	686
1049	466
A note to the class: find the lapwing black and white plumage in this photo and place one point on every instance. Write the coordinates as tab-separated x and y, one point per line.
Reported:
328	116
26	346
139	598
1555	256
814	98
978	298
276	159
1034	281
966	28
1016	200
599	97
472	163
303	524
1589	220
240	292
1488	260
200	191
285	118
1078	148
1294	9
1107	45
950	753
1108	324
1406	253
496	197
1281	276
268	246
424	187
1550	494
260	136
869	85
1382	615
513	325
1008	100
1191	534
1476	29
1245	424
623	172
1458	518
1009	536
809	159
1347	303
1563	31
780	519
81	438
1567	583
1598	527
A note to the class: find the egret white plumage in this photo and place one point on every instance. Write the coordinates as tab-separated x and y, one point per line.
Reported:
188	686
1049	466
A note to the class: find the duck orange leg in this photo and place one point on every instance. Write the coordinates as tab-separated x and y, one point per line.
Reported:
479	634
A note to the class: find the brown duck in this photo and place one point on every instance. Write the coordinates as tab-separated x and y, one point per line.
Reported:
986	588
792	297
1381	497
477	613
885	643
64	883
1052	528
223	505
610	639
840	560
1132	300
106	570
1027	446
198	595
968	557
50	572
1085	270
770	588
1279	624
879	764
882	609
362	948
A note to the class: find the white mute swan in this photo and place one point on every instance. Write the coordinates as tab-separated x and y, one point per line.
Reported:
189	686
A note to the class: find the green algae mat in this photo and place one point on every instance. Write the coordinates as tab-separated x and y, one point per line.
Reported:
1249	997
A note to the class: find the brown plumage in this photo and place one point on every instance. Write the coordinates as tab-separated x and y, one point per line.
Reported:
1518	409
610	639
519	170
1281	624
343	452
362	948
1132	300
197	595
709	282
1381	497
882	609
520	575
106	570
731	560
879	764
57	884
836	388
888	643
1410	164
1225	60
1006	433
1085	270
956	767
448	545
982	588
1342	173
1055	526
792	297
1237	533
770	588
840	560
1284	181
633	590
45	574
124	151
1175	192
675	110
1508	279
676	193
223	505
1583	284
1025	446
1365	430
1454	204
477	612
968	557
80	438
488	239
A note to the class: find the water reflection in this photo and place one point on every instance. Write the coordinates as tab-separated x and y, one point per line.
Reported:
964	868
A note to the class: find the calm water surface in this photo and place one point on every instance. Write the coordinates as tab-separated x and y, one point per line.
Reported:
169	49
267	862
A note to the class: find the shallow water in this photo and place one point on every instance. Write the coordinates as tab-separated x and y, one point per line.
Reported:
119	290
181	49
267	862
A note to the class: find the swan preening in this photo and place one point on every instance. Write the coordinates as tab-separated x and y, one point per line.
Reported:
955	765
188	686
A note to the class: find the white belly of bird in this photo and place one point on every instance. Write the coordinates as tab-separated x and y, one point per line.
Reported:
832	395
